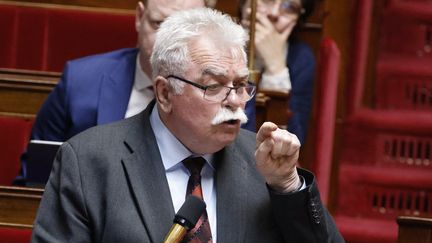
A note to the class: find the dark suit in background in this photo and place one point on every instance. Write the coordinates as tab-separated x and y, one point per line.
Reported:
108	184
301	65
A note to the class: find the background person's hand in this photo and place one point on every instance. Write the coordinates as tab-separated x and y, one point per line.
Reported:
270	44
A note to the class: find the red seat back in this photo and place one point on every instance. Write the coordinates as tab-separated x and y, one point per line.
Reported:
14	134
45	36
325	116
14	235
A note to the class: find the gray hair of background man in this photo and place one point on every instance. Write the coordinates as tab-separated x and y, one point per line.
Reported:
170	51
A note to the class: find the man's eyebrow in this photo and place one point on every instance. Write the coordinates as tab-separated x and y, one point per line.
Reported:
215	72
219	72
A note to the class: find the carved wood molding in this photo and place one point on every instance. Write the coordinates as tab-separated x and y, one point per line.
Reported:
28	80
18	206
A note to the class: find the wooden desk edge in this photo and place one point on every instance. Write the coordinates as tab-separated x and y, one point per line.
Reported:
409	220
24	192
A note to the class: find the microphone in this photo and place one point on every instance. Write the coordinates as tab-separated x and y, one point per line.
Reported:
185	219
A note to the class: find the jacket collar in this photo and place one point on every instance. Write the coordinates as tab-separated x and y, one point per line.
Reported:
146	175
116	88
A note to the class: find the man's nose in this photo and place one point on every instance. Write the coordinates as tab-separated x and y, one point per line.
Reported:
233	100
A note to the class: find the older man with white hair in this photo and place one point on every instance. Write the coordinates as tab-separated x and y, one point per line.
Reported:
124	182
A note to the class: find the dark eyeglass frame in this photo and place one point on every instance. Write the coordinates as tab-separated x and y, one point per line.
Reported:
287	7
205	87
292	7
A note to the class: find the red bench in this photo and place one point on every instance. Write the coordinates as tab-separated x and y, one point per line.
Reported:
44	36
14	134
14	234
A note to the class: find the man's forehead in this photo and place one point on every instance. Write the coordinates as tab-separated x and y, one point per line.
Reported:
216	64
207	47
164	8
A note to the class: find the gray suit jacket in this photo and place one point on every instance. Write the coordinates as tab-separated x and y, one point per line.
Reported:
108	184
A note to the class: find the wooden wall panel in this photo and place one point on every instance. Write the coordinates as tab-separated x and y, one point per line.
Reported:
18	206
23	92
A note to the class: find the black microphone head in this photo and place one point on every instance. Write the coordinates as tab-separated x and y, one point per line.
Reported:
190	212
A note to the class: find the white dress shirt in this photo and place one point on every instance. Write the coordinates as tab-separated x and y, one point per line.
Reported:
141	93
172	153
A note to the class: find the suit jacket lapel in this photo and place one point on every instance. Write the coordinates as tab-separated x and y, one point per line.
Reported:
147	179
115	90
231	182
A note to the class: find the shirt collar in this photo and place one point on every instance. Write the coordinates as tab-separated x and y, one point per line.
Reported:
142	81
171	149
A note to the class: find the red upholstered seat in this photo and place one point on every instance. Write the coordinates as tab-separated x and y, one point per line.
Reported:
8	36
14	133
14	235
30	36
43	36
325	115
385	155
74	34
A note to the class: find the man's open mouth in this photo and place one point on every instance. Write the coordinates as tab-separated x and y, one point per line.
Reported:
232	121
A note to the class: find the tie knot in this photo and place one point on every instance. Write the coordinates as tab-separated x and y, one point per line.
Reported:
194	164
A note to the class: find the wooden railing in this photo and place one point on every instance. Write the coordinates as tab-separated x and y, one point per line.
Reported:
272	106
18	206
22	92
414	229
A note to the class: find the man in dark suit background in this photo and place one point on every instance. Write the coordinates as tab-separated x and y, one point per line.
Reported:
123	182
108	87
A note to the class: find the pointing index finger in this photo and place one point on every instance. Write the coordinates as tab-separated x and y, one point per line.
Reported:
265	131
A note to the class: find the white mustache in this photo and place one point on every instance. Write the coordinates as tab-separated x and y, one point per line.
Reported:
226	114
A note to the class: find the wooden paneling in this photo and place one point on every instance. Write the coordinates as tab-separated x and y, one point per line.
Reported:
18	206
272	106
414	229
22	92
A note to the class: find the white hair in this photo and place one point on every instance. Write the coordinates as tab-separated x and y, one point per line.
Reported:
170	50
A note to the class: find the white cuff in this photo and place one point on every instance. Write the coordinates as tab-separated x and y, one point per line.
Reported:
280	81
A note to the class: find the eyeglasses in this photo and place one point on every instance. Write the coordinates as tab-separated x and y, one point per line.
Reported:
286	7
218	92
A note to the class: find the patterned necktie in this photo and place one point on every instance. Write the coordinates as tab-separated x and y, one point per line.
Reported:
201	232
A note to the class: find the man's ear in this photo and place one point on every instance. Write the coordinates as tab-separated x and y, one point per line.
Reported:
140	9
163	93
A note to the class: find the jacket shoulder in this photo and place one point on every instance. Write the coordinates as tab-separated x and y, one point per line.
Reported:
103	59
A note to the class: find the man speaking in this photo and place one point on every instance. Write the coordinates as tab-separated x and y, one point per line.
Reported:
123	182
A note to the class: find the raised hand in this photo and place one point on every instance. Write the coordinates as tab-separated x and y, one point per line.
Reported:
276	154
270	43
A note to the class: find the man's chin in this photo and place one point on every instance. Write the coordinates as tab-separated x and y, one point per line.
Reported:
218	142
229	132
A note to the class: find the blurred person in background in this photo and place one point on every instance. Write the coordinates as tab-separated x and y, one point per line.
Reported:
286	63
